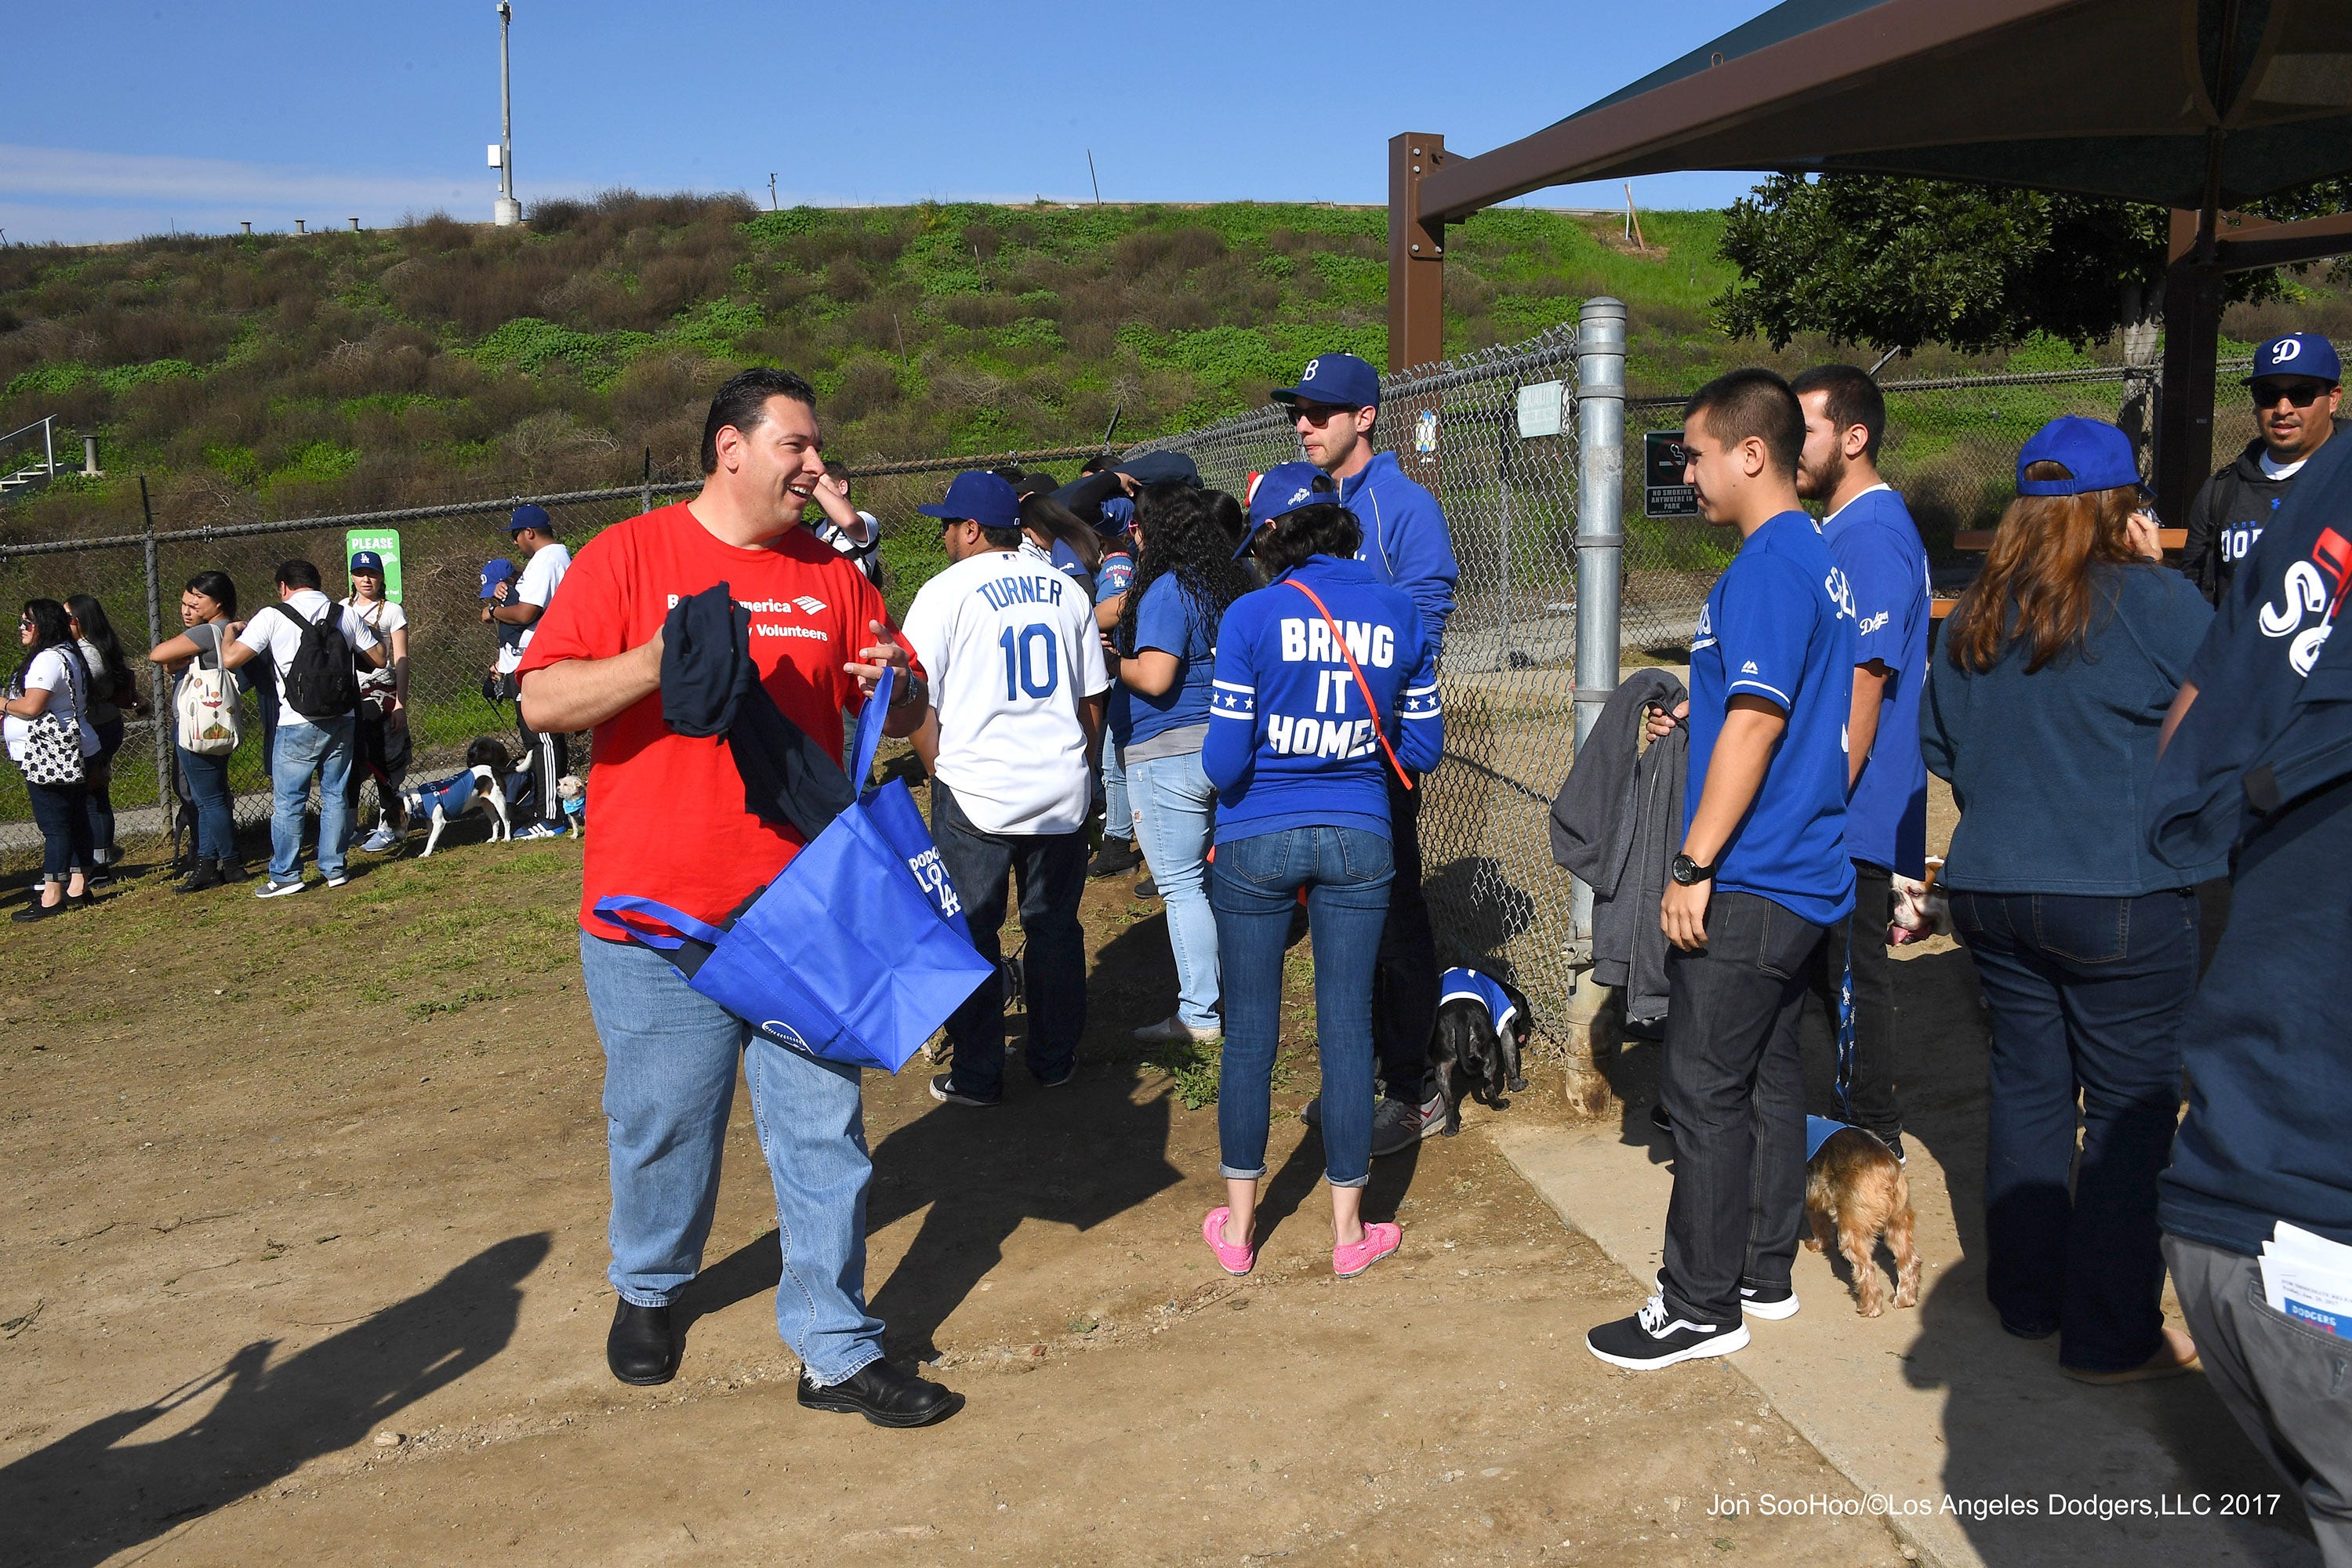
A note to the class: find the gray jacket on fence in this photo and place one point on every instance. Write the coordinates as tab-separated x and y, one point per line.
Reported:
1615	825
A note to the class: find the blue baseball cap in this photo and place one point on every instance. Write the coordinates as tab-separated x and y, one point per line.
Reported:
529	516
2297	353
367	561
1117	516
1283	490
499	571
2095	455
986	499
1342	381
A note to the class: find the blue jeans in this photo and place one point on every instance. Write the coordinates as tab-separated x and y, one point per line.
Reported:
62	814
207	782
1253	887
1118	821
669	1083
324	747
2085	994
1175	814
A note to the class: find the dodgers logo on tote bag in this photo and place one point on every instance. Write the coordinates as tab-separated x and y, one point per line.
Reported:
857	951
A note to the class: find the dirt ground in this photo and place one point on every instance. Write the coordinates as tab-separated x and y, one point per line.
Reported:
305	1261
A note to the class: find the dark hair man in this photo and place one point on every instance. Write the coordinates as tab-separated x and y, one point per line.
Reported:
306	742
672	824
545	561
1763	876
1335	405
2296	391
1018	681
1876	545
2256	1205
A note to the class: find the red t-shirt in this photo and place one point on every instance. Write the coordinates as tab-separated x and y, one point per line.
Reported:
667	810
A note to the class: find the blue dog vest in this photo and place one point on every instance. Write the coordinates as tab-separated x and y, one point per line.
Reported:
1470	985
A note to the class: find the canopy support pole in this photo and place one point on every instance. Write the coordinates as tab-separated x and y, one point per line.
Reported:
2192	330
1416	255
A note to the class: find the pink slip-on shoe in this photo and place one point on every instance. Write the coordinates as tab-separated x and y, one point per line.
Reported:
1380	1240
1236	1260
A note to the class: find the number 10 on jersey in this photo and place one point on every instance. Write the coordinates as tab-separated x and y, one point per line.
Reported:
1026	670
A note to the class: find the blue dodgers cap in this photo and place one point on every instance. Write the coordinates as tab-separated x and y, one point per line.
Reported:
986	499
1117	516
499	571
529	516
367	561
1161	468
1281	491
2096	454
2297	353
1342	381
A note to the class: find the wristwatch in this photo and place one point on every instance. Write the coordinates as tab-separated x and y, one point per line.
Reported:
1688	872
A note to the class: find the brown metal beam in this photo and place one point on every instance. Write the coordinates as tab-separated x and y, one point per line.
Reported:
2282	244
2192	330
1654	122
1416	255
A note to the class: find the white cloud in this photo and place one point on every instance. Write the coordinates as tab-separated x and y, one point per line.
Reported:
143	179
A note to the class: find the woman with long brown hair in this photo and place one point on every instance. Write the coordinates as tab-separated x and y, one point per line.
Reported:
2042	709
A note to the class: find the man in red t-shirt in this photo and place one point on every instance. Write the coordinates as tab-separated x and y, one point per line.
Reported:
670	824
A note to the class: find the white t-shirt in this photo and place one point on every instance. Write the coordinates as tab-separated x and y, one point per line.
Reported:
541	574
384	617
53	672
1011	647
2274	469
274	634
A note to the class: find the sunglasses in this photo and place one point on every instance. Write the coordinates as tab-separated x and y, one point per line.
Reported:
1320	412
2302	394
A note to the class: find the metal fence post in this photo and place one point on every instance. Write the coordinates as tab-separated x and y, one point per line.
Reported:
160	699
1600	533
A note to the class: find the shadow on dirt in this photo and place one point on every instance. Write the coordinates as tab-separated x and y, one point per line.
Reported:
102	1489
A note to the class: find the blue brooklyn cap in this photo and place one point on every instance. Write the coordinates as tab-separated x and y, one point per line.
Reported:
2096	457
1117	516
367	561
2297	353
1283	490
499	571
529	516
986	499
1341	380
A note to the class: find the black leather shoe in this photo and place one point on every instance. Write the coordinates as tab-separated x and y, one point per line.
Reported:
883	1395
640	1350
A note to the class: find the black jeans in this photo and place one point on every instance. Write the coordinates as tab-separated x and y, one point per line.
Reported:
1050	871
62	814
1404	983
1872	1104
2086	994
1735	1086
380	751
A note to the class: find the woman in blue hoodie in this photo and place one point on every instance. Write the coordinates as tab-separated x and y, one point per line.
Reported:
1323	683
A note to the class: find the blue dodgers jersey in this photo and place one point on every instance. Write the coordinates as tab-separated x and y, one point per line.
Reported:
1480	988
1779	625
1874	542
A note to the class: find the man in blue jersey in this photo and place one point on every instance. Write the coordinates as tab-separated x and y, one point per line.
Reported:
1873	539
1762	875
1336	403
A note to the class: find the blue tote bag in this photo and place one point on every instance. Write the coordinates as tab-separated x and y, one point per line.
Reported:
857	951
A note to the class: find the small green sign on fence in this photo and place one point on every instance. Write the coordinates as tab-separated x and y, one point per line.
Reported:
385	542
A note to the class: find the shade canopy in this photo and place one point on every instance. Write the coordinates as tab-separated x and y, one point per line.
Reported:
2178	103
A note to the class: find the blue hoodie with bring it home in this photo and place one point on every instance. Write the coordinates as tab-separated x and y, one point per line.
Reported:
1405	541
1289	743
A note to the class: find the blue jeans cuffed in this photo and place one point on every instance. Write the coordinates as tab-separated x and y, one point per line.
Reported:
1175	817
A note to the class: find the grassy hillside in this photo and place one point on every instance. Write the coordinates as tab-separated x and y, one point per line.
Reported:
275	375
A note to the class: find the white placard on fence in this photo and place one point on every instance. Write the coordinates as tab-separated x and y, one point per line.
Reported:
1543	409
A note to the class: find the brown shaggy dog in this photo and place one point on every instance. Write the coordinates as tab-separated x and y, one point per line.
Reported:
1854	1188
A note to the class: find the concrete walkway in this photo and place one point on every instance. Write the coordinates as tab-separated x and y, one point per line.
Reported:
1937	1402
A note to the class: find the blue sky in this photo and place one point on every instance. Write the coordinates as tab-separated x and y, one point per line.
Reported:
195	116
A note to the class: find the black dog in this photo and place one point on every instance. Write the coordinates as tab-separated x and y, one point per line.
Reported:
1470	1053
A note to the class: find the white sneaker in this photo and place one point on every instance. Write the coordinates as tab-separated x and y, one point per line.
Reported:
381	839
338	879
1172	1030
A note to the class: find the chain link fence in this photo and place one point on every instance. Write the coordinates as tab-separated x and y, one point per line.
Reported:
1493	434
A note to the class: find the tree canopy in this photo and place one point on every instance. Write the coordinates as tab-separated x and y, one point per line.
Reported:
1889	262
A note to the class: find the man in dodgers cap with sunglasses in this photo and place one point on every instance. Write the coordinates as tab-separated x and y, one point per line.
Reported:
2296	385
1335	405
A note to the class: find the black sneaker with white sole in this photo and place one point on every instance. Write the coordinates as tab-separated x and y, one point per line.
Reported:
943	1088
1655	1337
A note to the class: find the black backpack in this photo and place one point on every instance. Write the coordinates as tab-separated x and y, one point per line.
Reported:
319	680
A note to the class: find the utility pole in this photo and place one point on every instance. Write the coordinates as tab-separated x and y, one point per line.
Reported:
505	212
771	193
1094	177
